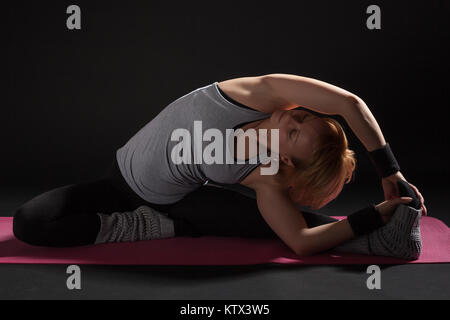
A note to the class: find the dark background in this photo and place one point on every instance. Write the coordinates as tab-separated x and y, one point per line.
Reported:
74	97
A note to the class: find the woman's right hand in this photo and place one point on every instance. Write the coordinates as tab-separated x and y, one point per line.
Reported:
388	207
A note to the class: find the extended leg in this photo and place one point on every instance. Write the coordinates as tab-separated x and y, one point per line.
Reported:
222	212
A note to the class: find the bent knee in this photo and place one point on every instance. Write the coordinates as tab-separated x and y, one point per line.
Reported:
26	226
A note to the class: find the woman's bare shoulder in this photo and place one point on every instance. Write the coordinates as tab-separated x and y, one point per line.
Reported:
253	92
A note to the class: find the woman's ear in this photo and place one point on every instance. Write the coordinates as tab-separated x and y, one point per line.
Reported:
287	161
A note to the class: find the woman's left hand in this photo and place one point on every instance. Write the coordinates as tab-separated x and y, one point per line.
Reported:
391	190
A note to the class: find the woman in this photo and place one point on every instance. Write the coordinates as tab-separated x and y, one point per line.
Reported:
146	195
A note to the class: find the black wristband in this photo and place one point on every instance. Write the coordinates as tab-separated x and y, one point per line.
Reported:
365	220
384	161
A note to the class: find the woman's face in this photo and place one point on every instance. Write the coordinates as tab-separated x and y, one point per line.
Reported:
299	134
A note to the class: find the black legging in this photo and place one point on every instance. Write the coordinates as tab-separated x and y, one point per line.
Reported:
66	216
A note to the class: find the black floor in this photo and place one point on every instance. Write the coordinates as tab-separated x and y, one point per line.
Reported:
228	283
264	282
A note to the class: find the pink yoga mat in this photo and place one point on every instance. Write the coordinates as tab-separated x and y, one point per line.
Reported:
208	251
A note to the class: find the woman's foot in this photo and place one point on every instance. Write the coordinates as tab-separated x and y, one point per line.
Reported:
399	238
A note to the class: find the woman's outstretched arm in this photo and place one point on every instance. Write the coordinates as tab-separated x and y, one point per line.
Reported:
284	218
328	99
271	92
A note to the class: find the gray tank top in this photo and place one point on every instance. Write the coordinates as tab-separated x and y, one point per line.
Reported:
145	160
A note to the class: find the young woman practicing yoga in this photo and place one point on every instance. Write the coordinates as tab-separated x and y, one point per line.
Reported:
146	194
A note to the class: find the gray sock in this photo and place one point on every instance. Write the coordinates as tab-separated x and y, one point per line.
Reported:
144	223
399	238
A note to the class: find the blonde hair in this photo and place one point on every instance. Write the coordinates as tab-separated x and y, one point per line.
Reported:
332	164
